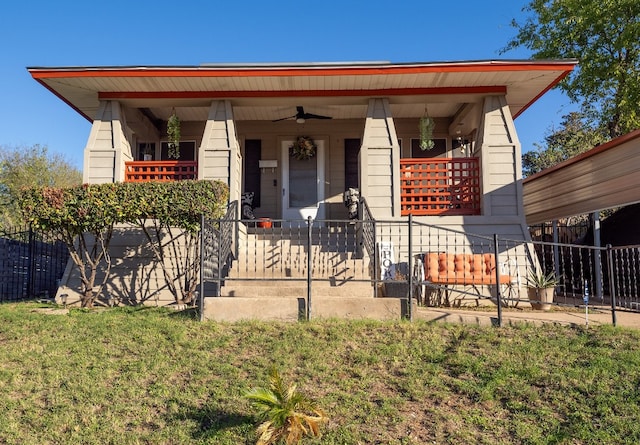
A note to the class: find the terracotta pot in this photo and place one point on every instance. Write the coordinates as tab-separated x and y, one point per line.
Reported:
264	223
541	298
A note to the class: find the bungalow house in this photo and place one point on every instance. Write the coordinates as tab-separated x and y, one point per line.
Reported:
239	121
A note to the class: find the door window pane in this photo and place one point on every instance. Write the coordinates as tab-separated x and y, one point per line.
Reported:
303	188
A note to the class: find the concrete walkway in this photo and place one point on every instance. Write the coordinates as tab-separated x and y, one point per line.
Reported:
488	317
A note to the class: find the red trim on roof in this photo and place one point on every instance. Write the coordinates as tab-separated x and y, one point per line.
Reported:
111	95
594	151
551	85
63	99
51	73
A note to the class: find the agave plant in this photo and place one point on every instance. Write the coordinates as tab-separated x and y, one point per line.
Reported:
287	415
540	280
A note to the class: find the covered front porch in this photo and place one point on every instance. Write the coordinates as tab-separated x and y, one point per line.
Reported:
379	155
239	121
443	186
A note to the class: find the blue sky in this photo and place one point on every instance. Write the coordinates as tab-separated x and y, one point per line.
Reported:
191	32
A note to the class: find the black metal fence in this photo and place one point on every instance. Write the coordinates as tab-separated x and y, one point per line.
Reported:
31	264
325	250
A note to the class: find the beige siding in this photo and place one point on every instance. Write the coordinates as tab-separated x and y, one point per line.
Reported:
109	145
498	149
380	161
217	156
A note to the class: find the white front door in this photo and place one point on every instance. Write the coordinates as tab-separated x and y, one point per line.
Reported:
302	184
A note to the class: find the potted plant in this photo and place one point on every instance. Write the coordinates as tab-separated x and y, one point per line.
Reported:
173	134
398	287
541	288
147	153
426	127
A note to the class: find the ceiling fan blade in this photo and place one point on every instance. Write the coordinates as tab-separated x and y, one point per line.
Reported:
315	116
302	116
285	118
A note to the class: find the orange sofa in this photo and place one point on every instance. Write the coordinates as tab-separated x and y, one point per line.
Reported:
462	269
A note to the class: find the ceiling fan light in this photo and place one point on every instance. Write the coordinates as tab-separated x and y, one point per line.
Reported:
300	120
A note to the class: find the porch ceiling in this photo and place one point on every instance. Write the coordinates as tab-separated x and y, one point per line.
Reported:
269	92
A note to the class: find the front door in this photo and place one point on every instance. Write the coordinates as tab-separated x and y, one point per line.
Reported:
302	184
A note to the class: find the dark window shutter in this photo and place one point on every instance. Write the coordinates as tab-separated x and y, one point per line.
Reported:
351	152
251	176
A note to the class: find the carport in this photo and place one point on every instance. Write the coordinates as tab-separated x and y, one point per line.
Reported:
604	177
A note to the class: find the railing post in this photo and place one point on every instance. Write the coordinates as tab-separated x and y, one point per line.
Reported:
32	265
219	262
375	257
612	286
309	265
410	267
498	293
201	295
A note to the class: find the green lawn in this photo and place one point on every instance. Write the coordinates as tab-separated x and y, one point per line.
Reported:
152	376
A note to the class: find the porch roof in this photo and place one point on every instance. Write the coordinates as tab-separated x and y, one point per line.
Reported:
270	91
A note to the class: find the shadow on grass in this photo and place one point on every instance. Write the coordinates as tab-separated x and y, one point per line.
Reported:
211	422
187	314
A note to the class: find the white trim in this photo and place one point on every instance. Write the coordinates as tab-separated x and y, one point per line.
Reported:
317	211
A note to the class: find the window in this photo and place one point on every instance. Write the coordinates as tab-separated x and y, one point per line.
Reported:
148	149
440	148
187	151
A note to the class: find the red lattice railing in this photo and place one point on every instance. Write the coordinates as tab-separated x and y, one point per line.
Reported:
143	171
440	186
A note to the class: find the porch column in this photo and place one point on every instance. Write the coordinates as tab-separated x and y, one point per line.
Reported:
500	156
219	155
380	161
108	147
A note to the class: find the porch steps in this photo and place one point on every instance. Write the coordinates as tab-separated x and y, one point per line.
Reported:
277	255
230	309
268	281
285	289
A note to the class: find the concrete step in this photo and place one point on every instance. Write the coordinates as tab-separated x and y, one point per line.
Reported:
285	289
278	274
232	309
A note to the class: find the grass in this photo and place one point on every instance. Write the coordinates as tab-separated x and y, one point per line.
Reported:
152	376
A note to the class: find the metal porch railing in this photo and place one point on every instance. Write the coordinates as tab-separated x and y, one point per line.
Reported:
313	251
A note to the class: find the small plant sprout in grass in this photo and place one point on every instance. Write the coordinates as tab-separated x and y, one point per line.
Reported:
287	415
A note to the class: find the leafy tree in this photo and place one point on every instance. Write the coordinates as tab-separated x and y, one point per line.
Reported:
574	136
159	209
287	415
83	218
604	35
33	166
